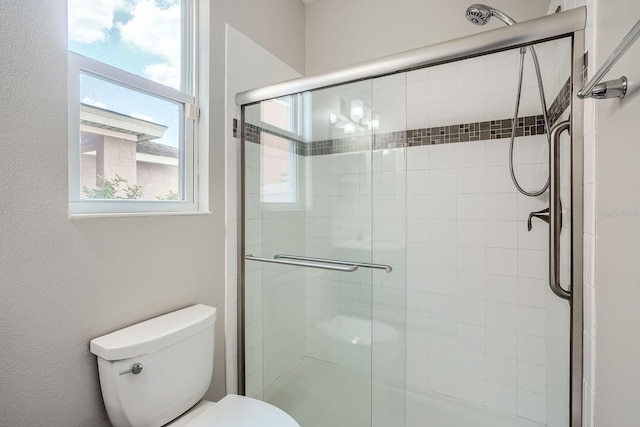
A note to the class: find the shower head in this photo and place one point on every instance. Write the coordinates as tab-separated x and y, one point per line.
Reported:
479	14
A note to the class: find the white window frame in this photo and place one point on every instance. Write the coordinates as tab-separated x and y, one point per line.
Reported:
189	167
299	130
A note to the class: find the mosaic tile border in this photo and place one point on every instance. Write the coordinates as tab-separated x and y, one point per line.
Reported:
465	132
478	131
561	103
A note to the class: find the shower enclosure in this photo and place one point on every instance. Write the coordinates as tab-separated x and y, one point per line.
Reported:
392	274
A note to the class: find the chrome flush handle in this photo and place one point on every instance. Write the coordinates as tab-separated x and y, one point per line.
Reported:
135	369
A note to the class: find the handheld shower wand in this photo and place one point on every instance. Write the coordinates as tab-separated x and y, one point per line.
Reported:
480	14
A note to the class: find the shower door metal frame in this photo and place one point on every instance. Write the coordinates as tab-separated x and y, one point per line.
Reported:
525	33
560	25
577	228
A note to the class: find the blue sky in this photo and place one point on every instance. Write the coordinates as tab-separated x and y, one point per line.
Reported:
139	36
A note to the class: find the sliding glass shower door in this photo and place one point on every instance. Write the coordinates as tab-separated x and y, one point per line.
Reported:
394	274
323	341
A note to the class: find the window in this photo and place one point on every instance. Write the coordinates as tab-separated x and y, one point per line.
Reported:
132	106
278	168
282	174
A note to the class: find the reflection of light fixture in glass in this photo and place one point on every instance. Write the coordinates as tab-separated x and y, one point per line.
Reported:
333	118
357	110
375	122
349	128
366	120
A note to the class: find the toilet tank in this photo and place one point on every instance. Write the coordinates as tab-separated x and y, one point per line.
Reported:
176	355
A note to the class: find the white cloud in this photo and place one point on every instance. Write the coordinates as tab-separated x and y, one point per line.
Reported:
90	101
164	73
89	21
141	116
156	31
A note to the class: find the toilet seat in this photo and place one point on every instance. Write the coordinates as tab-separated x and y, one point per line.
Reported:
234	411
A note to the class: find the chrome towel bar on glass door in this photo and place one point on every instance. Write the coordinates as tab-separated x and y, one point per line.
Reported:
387	268
349	268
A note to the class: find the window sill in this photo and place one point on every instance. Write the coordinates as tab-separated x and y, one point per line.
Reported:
77	216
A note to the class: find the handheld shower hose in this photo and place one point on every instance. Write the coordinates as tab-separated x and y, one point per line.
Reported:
479	14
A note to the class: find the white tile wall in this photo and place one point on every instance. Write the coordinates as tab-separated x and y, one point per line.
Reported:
477	90
254	352
335	299
478	269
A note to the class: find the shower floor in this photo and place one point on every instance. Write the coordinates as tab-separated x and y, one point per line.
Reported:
319	394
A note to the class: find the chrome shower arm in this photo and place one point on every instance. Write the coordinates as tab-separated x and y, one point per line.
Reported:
503	16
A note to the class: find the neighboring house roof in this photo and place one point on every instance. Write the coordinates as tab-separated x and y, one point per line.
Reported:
107	120
96	120
155	149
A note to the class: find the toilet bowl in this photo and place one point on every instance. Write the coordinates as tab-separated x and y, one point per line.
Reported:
155	373
234	411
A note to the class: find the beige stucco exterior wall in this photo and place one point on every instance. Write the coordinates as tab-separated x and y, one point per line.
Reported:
116	156
156	179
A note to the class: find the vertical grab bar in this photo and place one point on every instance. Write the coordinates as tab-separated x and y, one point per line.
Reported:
555	211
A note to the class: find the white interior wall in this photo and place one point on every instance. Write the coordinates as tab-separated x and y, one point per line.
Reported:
341	33
617	225
64	282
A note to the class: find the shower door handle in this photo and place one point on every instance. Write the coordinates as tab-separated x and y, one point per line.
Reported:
384	267
319	265
555	210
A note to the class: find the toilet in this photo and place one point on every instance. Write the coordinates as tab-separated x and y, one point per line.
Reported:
155	373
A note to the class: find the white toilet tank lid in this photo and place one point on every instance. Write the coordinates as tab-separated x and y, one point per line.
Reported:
153	334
